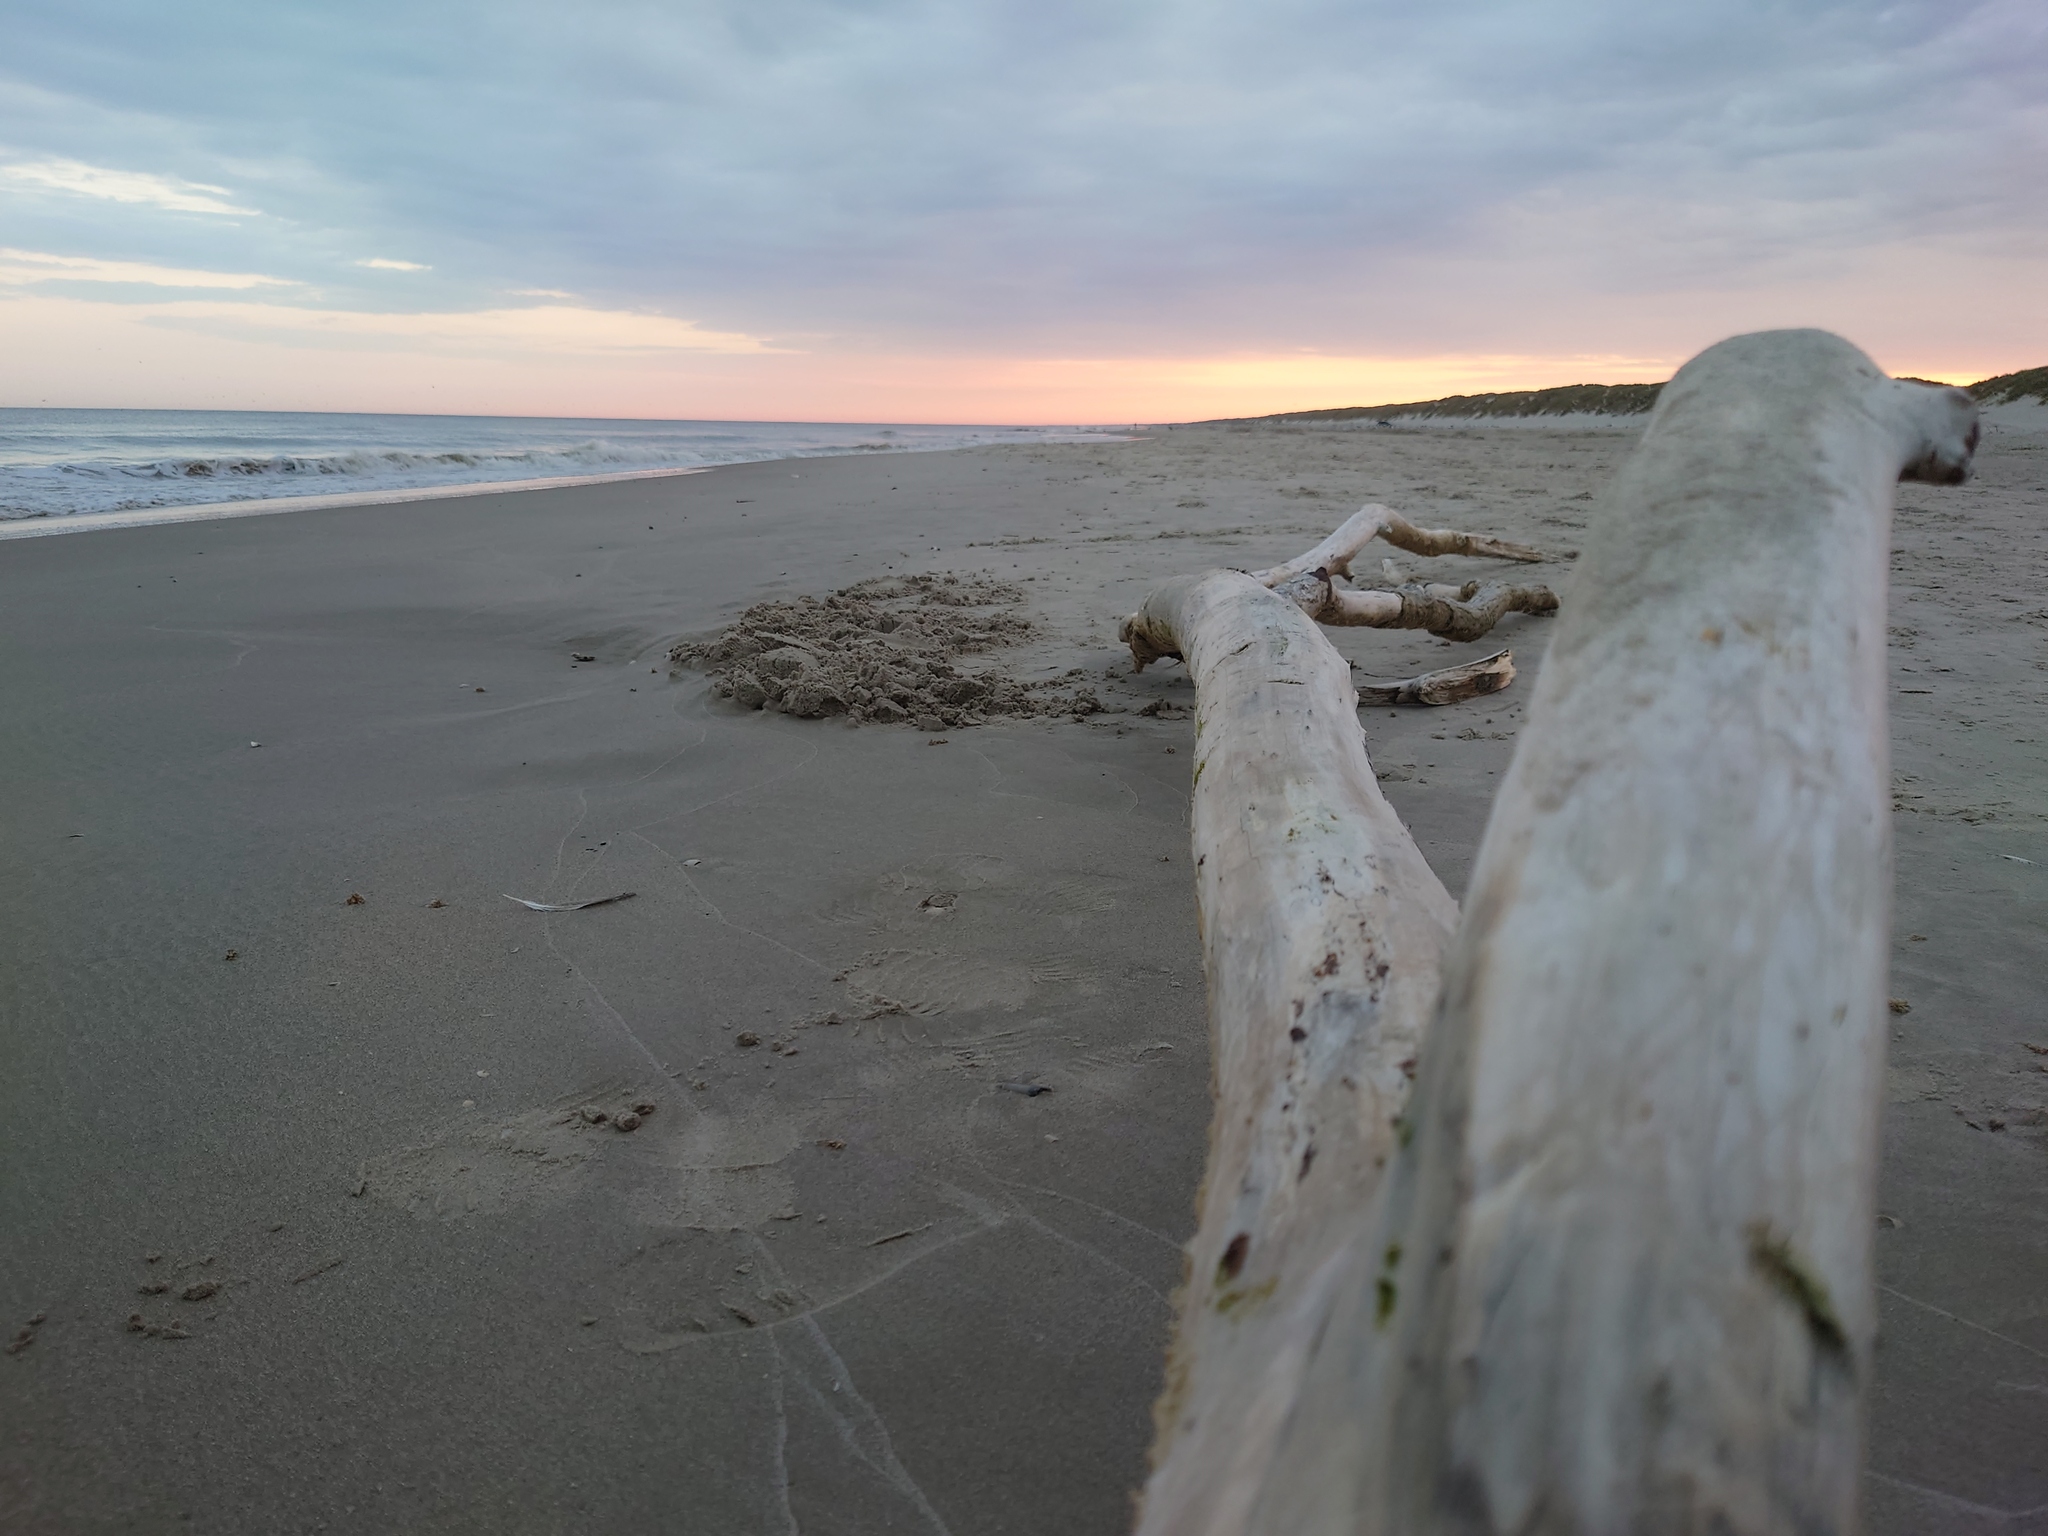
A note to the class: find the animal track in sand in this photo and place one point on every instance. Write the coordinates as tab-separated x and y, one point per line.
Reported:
541	1156
927	982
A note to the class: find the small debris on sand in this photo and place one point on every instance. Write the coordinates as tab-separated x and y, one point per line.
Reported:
570	906
895	1237
1029	1090
832	1144
355	899
318	1269
154	1288
232	954
437	902
883	651
579	656
137	1323
1900	1005
746	1039
202	1290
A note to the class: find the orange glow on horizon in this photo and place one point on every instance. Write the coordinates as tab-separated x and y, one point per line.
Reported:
220	356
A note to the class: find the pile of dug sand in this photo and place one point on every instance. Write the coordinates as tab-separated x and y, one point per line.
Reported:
884	650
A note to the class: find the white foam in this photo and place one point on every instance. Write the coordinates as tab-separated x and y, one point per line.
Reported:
57	464
142	517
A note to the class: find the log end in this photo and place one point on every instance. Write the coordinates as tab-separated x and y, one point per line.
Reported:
1146	641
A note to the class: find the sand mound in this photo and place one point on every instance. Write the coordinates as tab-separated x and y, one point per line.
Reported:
885	650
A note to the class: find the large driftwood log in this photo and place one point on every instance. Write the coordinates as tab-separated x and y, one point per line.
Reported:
1322	932
1619	1278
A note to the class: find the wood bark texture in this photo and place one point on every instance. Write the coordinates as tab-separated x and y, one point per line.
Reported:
1620	1281
1311	582
1446	685
1322	932
1455	613
1336	553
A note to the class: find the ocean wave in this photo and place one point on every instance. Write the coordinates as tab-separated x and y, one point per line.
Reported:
58	464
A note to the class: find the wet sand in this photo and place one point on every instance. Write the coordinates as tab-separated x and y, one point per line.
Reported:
841	1279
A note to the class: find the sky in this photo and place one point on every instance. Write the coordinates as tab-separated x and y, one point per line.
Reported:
998	211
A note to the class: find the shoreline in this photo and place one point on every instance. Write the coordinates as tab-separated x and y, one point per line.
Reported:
260	506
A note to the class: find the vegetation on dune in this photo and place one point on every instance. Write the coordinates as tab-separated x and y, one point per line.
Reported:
2028	384
1584	399
1566	400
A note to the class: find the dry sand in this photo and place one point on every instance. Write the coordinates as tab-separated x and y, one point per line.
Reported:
843	1279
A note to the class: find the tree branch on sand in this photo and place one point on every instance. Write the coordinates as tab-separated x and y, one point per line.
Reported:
1311	583
1608	1266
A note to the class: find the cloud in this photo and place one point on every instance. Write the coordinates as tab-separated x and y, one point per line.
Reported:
539	329
386	264
1053	179
172	193
18	267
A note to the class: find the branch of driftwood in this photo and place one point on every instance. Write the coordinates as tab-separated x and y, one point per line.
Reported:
1318	584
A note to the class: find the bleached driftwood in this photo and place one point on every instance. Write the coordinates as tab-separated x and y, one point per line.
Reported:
1619	1280
1336	553
1455	613
1323	927
1446	685
1311	582
1322	932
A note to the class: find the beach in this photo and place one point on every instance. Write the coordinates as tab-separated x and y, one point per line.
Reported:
919	1015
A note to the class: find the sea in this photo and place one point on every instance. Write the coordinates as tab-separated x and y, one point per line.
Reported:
68	463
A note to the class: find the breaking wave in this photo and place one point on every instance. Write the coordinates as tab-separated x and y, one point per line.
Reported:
65	463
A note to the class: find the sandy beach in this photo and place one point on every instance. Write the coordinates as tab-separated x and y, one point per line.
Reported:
848	1273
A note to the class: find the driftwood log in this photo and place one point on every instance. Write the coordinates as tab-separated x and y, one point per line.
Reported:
1323	930
1609	1270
